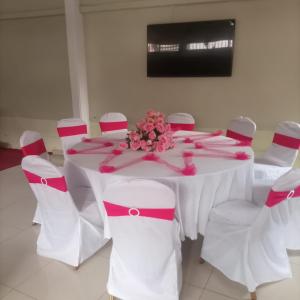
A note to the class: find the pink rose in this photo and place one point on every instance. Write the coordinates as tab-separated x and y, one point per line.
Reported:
149	142
160	147
168	128
160	120
134	136
160	127
140	124
152	135
143	145
135	145
148	127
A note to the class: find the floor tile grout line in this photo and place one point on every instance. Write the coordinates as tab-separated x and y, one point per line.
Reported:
24	294
219	293
10	289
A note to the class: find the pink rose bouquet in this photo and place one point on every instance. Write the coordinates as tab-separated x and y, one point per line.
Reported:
152	134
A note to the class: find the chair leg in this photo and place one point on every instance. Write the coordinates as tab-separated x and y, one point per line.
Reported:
201	260
253	296
111	297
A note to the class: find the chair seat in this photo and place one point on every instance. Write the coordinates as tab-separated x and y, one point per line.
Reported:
235	212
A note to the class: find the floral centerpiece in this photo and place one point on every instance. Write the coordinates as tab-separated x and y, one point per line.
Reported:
152	134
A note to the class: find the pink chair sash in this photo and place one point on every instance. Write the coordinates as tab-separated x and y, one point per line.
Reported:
110	126
275	197
72	130
115	210
286	141
35	148
238	136
182	126
58	183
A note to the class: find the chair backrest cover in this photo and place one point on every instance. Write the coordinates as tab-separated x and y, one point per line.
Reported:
181	121
285	145
241	129
57	209
285	194
71	131
266	238
113	122
32	143
142	225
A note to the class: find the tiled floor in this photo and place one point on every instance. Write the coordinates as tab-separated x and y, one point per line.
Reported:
25	276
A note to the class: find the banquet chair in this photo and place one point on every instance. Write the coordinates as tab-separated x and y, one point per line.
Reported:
277	160
32	143
285	146
181	121
145	261
241	129
71	131
247	243
69	234
113	123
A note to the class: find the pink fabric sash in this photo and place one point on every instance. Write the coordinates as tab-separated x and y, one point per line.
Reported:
72	130
115	210
182	126
275	197
286	141
58	183
238	136
35	148
110	126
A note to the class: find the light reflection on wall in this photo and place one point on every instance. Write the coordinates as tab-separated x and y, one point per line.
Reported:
210	45
163	47
152	48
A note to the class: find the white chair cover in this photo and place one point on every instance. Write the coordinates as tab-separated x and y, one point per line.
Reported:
285	146
248	244
181	121
145	262
71	131
112	123
242	129
69	234
32	143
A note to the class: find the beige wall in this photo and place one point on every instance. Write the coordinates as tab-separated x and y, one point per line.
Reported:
266	71
34	76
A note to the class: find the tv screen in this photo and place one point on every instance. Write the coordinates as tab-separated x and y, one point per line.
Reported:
190	49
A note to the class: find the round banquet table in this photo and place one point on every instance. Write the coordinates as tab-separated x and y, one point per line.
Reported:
217	179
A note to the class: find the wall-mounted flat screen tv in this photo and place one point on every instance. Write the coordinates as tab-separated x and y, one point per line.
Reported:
193	49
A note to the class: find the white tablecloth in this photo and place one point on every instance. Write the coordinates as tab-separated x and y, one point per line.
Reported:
217	179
